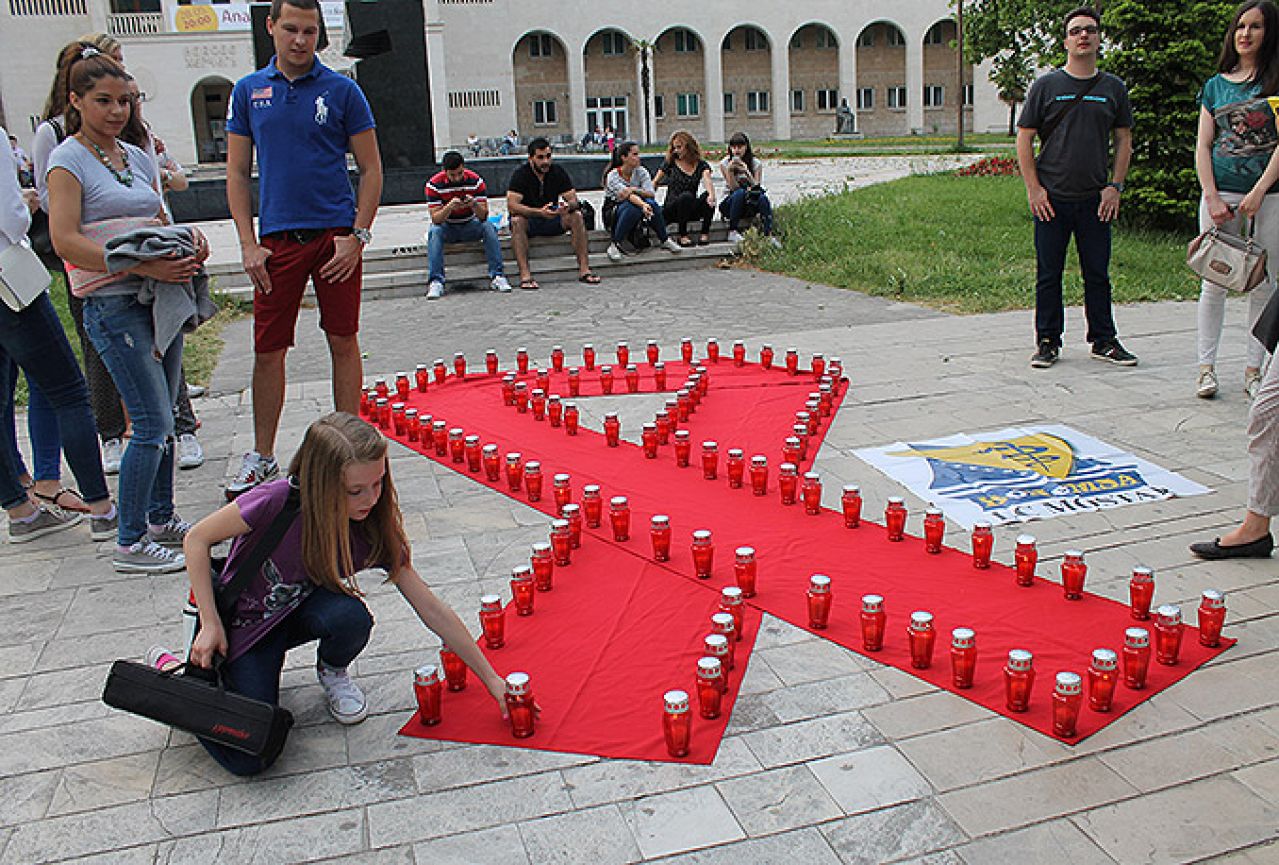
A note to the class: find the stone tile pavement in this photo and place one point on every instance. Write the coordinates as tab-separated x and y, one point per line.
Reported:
830	757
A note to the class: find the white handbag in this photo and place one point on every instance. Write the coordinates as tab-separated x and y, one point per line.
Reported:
1234	263
23	277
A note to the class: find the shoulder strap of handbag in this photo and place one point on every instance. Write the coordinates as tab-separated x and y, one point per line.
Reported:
1051	126
230	591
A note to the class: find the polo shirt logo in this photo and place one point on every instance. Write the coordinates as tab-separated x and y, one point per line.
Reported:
261	96
321	111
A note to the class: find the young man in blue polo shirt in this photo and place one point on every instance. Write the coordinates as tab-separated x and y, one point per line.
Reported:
303	118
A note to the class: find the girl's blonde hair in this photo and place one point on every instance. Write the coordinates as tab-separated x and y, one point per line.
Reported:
331	444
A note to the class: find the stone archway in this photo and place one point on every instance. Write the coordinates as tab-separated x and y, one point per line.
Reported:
941	80
209	100
814	81
542	103
679	85
882	96
612	94
746	56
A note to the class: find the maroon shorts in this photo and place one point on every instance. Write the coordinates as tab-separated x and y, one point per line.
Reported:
290	265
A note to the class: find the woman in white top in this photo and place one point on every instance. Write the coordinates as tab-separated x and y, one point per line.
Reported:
629	185
744	177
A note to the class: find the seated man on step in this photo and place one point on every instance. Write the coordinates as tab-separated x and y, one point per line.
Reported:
533	199
459	206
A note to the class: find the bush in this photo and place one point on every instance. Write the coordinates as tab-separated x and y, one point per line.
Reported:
991	166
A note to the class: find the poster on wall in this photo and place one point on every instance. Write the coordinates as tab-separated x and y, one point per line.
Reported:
235	17
1025	473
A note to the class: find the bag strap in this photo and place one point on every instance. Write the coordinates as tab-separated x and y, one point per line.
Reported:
1051	127
229	591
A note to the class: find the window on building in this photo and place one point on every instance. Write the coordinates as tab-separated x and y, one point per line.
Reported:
541	45
824	39
659	106
968	94
797	101
544	112
614	44
688	104
894	37
934	96
685	41
755	40
896	97
936	34
867	39
827	100
729	107
757	102
866	99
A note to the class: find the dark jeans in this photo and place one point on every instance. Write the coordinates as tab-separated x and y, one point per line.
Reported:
341	623
629	215
734	209
680	210
108	411
1092	242
35	341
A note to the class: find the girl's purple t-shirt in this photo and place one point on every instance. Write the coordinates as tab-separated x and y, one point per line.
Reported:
282	584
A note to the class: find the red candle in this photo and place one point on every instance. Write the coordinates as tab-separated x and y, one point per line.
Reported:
963	656
683	448
493	621
492	463
660	533
659	376
1168	630
759	475
422	376
922	637
562	490
792	361
522	592
934	530
606	379
521	397
543	563
542	380
662	420
800	436
508	389
474	458
1136	657
735	465
819	601
1212	615
571	418
850	501
619	514
557	358
440	437
397	418
787	482
561	543
703	553
723	625
440	370
573	513
739	353
413	424
383	413
1068	696
490	362
710	460
454	669
648	438
592	505
730	601
683	404
632	378
745	570
427	688
895	518
873	620
676	723
1019	678
1026	558
533	480
612	429
826	400
1073	571
379	386
766	356
791	449
623	354
520	705
812	494
1102	676
712	350
521	360
368	403
457	444
819	364
686	350
983	545
1141	591
710	686
459	365
652	351
537	402
401	386
574	382
554	410
588	356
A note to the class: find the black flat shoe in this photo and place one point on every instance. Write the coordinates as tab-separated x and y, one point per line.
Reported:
1258	549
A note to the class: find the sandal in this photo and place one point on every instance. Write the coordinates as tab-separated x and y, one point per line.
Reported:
703	239
684	241
589	278
81	508
529	284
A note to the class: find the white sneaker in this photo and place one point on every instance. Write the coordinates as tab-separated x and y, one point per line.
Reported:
190	454
112	453
1252	383
1206	384
671	246
171	534
347	702
734	237
253	471
499	283
147	557
435	290
614	254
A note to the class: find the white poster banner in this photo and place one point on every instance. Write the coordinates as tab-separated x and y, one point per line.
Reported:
1025	473
233	17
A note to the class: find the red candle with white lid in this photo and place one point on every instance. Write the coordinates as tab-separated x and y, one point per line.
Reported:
1136	657
533	480
660	533
759	475
683	448
895	518
850	501
873	619
745	570
1019	679
652	351
792	361
730	601
788	483
537	402
454	669
574	382
562	490
1068	696
1168	631
963	657
983	540
571	418
1212	616
934	530
588	356
632	378
573	513
428	690
710	460
398	420
703	549
606	379
421	377
710	686
819	364
440	437
522	591
542	561
811	491
725	625
459	365
676	723
766	356
413	424
735	466
457	444
619	514
521	397
520	706
1103	674
1073	572
592	506
819	601
1141	591
493	621
648	440
492	462
612	429
686	350
1026	558
490	361
401	386
471	445
561	543
922	637
716	646
521	360
557	358
739	353
659	376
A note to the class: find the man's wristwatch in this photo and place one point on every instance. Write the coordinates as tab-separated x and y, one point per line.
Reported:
1119	187
363	235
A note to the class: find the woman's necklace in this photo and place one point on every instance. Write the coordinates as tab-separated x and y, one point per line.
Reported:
125	176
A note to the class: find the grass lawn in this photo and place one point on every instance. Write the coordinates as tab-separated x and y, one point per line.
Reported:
962	244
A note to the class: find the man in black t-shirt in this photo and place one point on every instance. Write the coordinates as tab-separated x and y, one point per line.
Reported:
542	202
1075	111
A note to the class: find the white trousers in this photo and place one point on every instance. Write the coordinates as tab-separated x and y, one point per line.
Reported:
1212	298
1263	447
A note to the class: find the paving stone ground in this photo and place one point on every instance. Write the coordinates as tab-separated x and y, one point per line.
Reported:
830	757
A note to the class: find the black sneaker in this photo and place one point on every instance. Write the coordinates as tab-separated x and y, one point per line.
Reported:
1046	355
1113	352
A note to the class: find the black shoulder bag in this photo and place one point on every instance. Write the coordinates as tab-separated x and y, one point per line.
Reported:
1051	126
192	700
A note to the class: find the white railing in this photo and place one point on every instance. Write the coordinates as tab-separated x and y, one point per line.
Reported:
47	7
135	23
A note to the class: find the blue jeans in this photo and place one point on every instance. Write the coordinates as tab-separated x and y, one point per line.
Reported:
1092	242
462	232
734	208
341	623
45	435
629	215
122	332
34	340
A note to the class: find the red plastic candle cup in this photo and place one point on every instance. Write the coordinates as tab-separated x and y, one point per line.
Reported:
934	530
428	689
790	450
490	362
574	382
716	646
801	443
623	354
454	669
542	561
383	413
850	501
606	379
1068	696
1026	557
612	429
873	619
766	356
493	621
895	518
710	687
588	356
812	494
492	463
1103	673
459	365
730	601
562	490
533	480
440	437
676	723
759	475
652	352
573	513
683	404
662	420
508	389
686	350
537	402
542	380
1168	631
398	420
745	570
520	706
401	386
648	439
819	365
571	418
735	467
561	543
412	424
554	410
457	444
788	483
1073	571
710	460
922	638
592	506
632	378
619	514
522	591
1212	615
380	388
660	533
725	625
1136	657
421	377
1141	591
439	370
474	457
983	539
792	361
819	601
557	358
739	353
703	553
683	448
963	657
521	360
521	397
712	350
659	376
826	400
368	403
1019	678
